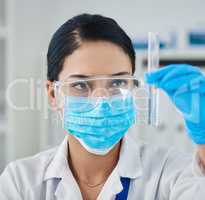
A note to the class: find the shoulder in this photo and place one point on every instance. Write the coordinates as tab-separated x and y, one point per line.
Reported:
171	164
25	175
30	168
165	157
156	155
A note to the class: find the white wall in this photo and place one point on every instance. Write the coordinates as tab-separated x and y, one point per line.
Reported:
35	21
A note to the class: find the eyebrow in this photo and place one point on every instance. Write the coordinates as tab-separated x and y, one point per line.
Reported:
121	73
88	76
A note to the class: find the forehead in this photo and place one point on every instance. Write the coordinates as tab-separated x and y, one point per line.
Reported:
96	58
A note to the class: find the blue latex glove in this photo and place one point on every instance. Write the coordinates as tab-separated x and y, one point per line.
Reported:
185	85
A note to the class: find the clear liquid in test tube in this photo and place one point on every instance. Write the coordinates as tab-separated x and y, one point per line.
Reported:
153	64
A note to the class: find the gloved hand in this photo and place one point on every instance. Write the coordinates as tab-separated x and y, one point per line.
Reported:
185	85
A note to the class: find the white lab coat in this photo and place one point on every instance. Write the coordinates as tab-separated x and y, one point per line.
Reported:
156	173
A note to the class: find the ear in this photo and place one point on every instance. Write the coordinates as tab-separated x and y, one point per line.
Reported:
51	95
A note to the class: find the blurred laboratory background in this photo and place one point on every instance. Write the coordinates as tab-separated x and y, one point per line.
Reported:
26	26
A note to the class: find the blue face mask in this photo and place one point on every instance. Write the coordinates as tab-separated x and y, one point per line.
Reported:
100	123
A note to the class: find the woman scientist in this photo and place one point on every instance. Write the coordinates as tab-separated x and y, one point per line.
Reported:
91	62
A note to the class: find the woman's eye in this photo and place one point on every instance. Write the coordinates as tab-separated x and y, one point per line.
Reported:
79	86
119	83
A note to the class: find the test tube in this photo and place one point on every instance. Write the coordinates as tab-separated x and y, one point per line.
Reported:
153	64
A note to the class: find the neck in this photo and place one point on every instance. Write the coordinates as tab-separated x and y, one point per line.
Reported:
90	167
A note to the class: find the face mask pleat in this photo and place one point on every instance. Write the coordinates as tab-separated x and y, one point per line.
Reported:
103	130
101	143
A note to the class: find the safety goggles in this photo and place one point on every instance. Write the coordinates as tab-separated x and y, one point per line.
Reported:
85	94
98	86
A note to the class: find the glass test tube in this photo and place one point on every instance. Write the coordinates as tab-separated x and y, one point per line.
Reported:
153	64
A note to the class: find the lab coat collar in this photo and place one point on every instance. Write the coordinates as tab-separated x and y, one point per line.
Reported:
59	169
59	164
129	164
